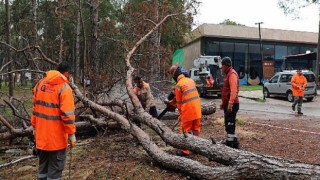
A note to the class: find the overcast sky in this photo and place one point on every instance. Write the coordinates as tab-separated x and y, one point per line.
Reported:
248	12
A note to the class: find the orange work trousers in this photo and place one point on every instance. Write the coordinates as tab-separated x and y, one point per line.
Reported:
190	127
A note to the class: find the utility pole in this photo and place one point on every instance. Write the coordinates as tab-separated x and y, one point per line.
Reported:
318	53
261	56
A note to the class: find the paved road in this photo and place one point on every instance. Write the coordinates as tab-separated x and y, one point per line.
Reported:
273	107
277	106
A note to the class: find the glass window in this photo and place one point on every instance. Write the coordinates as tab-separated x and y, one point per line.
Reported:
254	52
240	58
285	78
255	64
280	52
303	50
211	47
293	50
268	52
226	49
314	49
274	79
310	77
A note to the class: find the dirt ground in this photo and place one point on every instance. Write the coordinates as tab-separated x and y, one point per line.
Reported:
115	154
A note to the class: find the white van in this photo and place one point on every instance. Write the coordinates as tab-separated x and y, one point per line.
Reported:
280	85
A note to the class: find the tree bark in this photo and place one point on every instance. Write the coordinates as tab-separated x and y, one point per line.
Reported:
10	66
77	61
94	38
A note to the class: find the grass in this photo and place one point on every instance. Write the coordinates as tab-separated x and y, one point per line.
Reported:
260	100
250	87
18	89
241	122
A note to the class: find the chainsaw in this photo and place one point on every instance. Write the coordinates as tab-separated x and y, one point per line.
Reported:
170	105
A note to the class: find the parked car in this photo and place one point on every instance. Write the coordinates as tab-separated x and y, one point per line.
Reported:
280	85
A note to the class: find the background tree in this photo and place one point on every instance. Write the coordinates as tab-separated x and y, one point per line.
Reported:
8	40
154	55
229	22
292	7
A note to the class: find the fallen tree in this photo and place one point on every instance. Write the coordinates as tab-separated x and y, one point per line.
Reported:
237	164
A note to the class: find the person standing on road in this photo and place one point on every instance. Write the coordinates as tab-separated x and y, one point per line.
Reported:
188	103
230	101
299	83
53	121
143	91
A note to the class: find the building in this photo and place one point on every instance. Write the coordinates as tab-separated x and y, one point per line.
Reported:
242	45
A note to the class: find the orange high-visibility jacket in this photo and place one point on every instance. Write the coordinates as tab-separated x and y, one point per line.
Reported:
53	112
296	82
187	99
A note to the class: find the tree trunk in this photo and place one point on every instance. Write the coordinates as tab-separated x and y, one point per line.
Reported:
77	63
59	12
239	164
94	38
155	44
10	66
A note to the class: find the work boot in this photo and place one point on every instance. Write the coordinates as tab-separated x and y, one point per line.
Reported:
300	113
180	153
293	108
235	143
228	143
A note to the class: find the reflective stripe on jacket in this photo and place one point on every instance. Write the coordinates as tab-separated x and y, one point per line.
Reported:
53	112
296	82
187	99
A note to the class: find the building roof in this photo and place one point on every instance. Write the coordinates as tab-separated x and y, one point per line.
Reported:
251	33
307	56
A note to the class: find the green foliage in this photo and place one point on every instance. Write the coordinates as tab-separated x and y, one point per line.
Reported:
259	100
7	112
250	87
241	122
292	7
229	22
120	25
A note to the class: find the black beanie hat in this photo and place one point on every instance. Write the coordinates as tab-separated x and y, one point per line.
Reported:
176	73
226	61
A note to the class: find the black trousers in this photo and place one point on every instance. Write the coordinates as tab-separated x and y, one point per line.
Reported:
51	164
230	121
153	111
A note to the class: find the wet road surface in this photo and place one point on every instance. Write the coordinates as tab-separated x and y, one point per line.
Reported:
273	108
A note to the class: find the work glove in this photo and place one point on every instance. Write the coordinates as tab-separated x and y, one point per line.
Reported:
72	140
221	106
230	107
179	118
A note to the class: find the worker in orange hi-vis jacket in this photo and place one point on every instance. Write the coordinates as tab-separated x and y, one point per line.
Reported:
53	121
188	104
299	83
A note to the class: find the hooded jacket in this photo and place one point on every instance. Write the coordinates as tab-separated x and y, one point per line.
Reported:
187	99
53	112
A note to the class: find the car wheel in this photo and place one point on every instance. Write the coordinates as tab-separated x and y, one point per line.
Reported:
266	93
309	99
289	96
